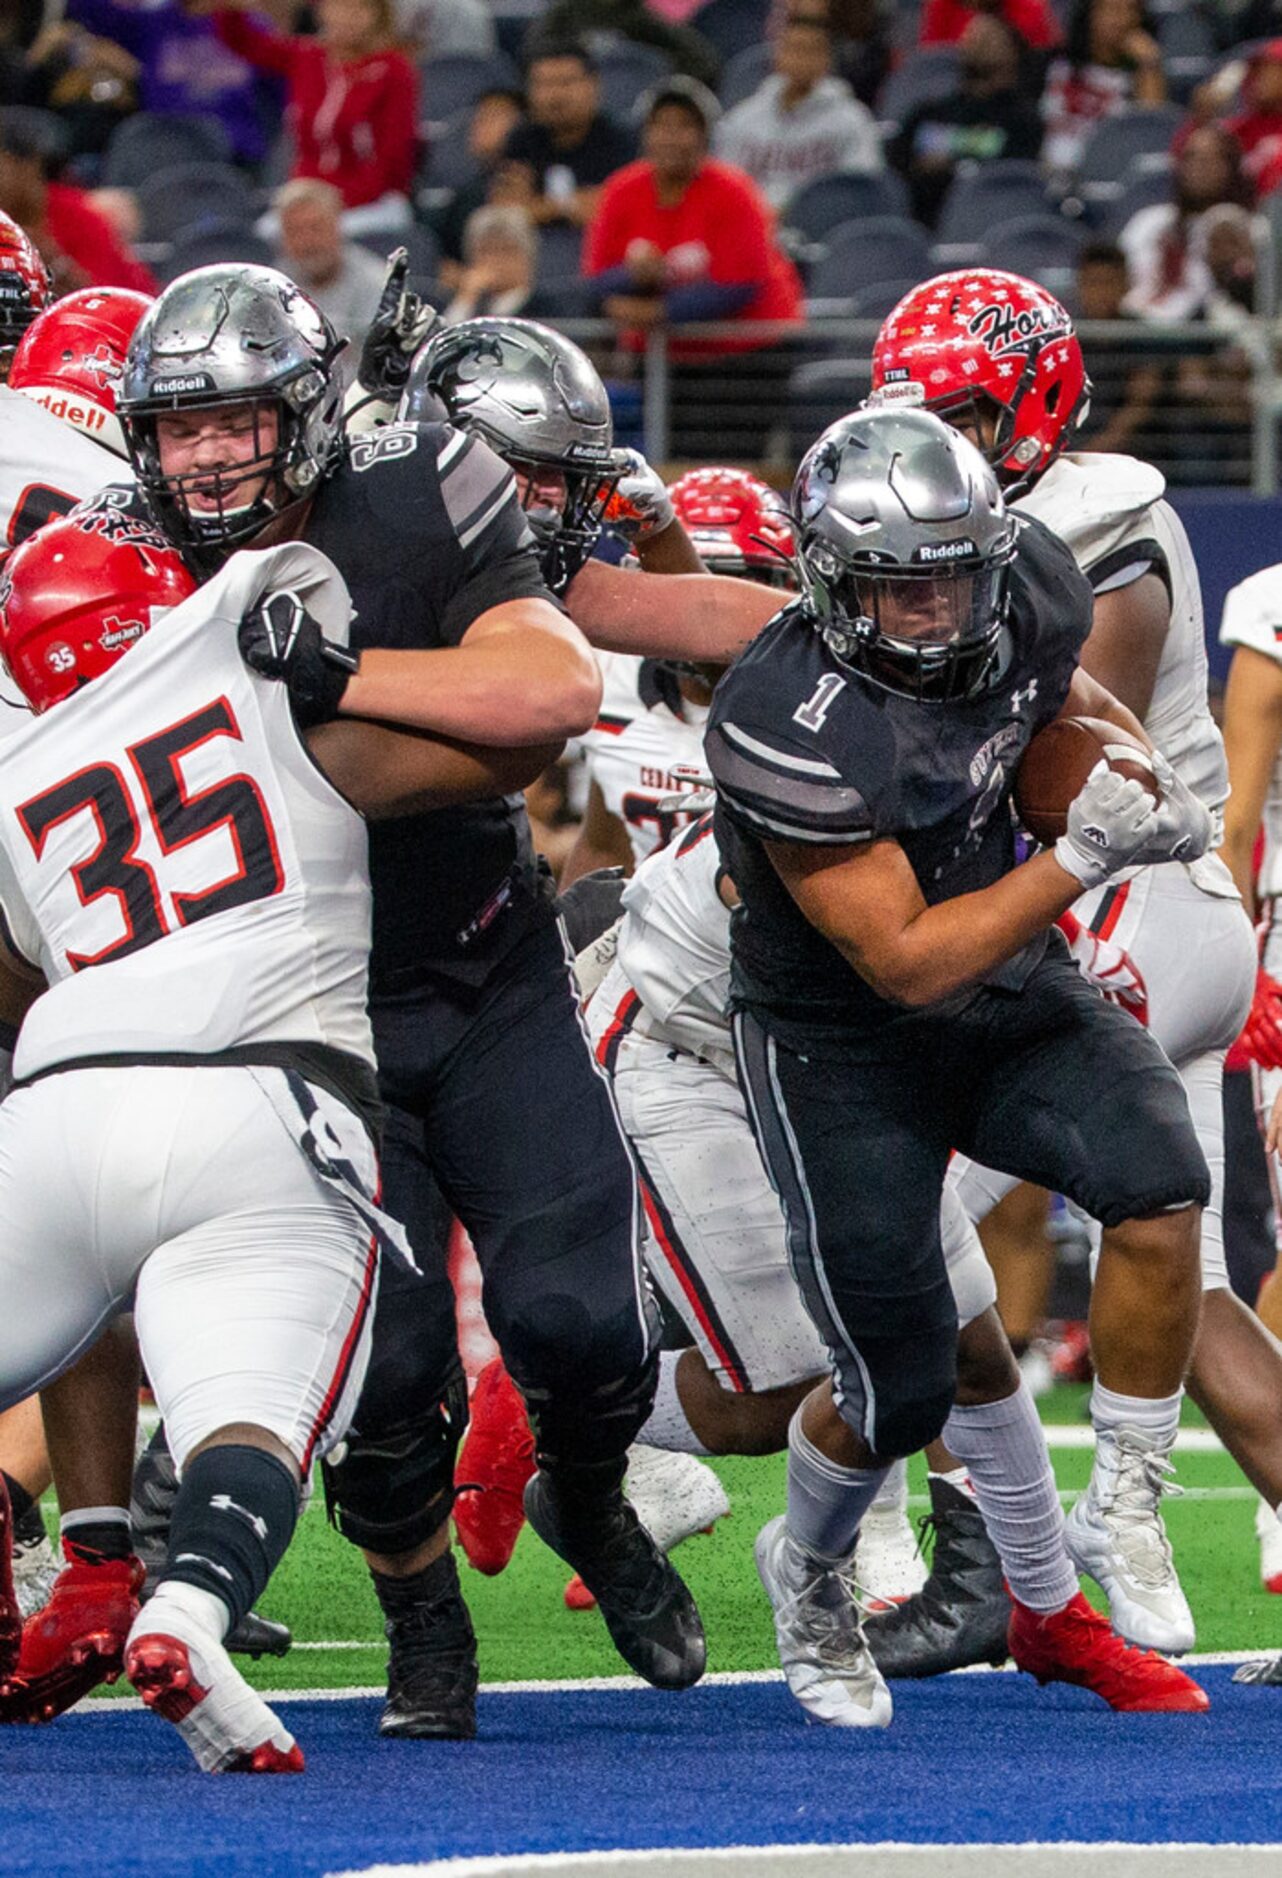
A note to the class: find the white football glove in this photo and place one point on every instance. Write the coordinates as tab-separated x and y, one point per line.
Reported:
1111	822
1185	828
640	506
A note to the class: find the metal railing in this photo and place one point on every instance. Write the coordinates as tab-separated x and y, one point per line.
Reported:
1200	402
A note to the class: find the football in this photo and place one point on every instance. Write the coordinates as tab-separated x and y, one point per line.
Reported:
1057	763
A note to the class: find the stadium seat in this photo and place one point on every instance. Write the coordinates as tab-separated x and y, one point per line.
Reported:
729	24
148	142
1146	182
421	245
822	391
181	197
924	75
212	242
449	164
875	302
560	255
743	73
1042	247
980	198
1189	50
860	254
822	204
627	73
1115	143
451	85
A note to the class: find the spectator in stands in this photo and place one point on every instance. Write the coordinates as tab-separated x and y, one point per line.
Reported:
501	253
679	236
555	163
1111	60
1213	382
944	22
78	242
185	69
353	99
801	122
986	117
89	81
688	50
344	279
861	38
494	117
1124	387
1258	126
1165	244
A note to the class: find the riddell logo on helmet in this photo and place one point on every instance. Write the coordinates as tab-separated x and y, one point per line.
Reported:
83	416
1003	331
946	550
186	381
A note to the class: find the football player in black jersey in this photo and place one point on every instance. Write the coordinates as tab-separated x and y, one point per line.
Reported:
897	992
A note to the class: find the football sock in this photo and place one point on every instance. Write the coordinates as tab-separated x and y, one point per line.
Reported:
958	1479
436	1584
208	1611
1158	1416
95	1533
892	1494
234	1516
1005	1453
825	1500
19	1499
669	1426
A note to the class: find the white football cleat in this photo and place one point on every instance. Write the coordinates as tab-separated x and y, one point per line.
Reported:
1268	1530
181	1670
820	1639
673	1495
1115	1535
34	1565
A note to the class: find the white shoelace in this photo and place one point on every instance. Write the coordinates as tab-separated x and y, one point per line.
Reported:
1132	1509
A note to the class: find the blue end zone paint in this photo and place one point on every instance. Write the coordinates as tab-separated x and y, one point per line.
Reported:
112	1794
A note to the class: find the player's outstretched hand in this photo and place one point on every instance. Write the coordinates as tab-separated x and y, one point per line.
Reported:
402	321
279	639
640	506
1261	1038
1111	821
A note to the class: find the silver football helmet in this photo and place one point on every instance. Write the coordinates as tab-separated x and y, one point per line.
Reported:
232	335
539	402
904	549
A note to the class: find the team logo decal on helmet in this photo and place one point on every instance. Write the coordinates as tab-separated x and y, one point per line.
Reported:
71	359
991	350
738	524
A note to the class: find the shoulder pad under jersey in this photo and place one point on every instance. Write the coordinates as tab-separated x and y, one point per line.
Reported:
1097	504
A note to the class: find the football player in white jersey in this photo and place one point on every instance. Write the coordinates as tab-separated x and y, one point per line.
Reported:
649	731
178	864
1252	625
997	356
59	442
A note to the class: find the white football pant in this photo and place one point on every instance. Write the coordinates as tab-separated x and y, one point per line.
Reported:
1196	952
180	1194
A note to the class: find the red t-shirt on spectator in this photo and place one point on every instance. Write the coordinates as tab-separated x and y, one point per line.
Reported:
88	240
354	121
1260	135
725	233
944	21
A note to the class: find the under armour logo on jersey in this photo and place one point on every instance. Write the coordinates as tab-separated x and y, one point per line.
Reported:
225	1504
1018	699
812	713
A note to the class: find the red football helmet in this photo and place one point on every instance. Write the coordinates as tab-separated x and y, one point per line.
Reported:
993	346
72	357
739	524
78	594
25	288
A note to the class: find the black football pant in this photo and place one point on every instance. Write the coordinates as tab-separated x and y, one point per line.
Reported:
1049	1083
498	1114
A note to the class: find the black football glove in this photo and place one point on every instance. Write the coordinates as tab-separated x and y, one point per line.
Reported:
280	639
401	323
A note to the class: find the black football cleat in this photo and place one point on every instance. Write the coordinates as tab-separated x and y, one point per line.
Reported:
431	1664
651	1617
962	1612
258	1636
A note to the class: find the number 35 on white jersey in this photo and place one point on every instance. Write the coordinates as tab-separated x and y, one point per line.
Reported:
173	860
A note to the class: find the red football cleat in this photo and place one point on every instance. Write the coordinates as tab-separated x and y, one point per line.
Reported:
577	1596
10	1615
192	1682
1079	1645
76	1641
494	1463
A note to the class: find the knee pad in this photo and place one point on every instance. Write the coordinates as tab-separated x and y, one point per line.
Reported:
390	1493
